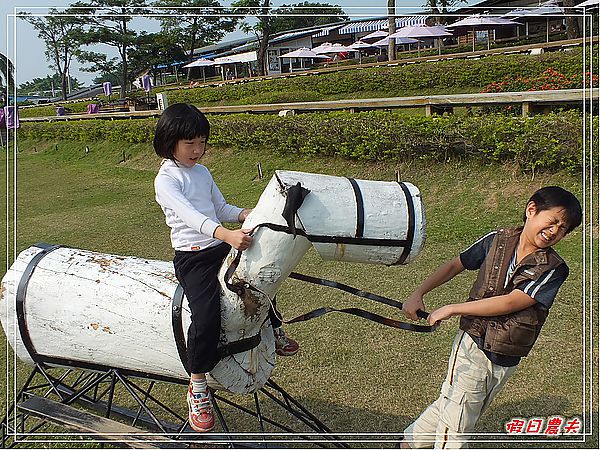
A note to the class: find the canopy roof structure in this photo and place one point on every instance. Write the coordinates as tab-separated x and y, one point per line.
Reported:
303	53
201	62
480	22
588	4
239	58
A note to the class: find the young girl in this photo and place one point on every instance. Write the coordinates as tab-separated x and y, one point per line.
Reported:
194	209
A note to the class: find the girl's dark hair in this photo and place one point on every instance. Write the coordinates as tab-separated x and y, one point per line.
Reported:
555	196
177	122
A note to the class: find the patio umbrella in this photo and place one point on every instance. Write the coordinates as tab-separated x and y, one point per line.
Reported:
399	41
548	9
383	43
302	54
588	4
360	45
331	48
201	62
375	35
422	32
519	13
480	22
223	61
318	49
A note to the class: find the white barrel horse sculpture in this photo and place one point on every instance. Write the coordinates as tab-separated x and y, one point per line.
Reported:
62	306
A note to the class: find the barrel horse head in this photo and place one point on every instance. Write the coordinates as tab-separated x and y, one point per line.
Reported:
68	307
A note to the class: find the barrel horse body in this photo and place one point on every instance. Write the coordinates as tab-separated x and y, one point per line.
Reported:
69	307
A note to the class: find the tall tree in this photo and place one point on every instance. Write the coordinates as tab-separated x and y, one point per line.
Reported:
154	49
61	32
7	71
391	9
263	29
306	14
441	7
194	23
108	23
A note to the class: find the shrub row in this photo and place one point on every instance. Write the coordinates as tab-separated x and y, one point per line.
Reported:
50	110
543	142
385	81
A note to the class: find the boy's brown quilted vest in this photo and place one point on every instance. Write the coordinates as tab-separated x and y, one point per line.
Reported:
512	334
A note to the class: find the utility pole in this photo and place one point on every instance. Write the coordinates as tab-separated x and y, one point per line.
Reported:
392	29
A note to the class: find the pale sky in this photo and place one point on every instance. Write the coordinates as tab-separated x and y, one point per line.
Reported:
20	42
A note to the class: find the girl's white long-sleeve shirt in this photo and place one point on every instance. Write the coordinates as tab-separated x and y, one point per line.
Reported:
193	205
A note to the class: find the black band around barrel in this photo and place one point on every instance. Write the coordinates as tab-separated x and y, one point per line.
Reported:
240	346
178	334
22	294
360	209
410	233
335	239
228	349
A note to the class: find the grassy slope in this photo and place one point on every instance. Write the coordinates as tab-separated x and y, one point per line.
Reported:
356	375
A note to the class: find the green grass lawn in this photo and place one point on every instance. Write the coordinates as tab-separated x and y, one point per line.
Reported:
355	375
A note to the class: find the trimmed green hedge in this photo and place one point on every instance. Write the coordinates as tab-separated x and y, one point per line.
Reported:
50	110
385	81
542	142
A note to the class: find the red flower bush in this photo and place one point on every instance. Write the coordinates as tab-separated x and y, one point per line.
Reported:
550	79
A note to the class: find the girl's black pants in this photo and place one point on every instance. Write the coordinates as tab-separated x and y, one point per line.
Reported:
197	272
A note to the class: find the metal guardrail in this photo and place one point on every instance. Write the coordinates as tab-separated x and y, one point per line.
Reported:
532	101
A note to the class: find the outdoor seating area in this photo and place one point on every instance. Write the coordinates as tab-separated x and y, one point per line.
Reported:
359	41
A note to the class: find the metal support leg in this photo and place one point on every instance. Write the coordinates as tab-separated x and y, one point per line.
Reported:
71	388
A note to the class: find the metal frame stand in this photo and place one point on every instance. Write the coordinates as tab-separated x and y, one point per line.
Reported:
112	394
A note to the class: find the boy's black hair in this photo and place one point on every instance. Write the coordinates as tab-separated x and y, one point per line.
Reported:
177	122
555	196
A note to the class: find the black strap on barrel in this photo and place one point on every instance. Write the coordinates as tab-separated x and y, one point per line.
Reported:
360	208
365	315
336	239
410	232
360	312
243	345
353	291
228	349
239	287
22	295
176	310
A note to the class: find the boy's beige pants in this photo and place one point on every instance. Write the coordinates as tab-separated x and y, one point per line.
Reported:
471	384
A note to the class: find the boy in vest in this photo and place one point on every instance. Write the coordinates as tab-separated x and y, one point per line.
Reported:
519	277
